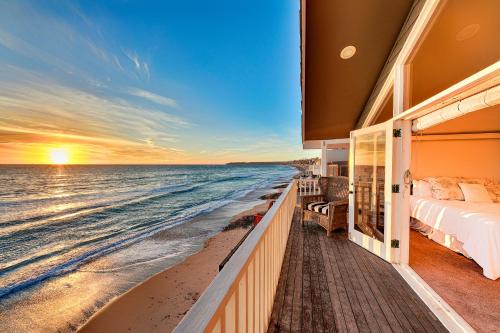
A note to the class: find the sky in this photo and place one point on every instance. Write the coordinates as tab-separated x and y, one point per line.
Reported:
150	82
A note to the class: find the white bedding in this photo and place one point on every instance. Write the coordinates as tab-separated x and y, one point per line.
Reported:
476	225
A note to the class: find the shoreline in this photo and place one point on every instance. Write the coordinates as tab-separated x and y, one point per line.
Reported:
180	217
159	303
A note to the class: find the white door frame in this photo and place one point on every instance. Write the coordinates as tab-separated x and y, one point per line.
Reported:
382	250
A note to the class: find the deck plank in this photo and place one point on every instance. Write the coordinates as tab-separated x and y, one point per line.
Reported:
340	323
306	288
425	315
398	304
350	320
317	306
351	293
330	284
376	312
356	282
279	299
286	313
416	308
324	289
297	290
386	293
384	306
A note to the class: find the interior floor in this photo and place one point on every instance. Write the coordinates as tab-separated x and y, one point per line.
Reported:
459	281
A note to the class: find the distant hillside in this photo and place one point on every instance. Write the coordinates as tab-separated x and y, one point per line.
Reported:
257	163
299	164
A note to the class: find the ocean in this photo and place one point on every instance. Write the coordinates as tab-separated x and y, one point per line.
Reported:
63	226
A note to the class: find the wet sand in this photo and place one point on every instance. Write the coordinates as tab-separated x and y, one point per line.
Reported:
159	303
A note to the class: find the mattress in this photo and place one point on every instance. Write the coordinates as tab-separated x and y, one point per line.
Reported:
476	226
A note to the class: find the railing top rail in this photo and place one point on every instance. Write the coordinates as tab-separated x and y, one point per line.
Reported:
202	312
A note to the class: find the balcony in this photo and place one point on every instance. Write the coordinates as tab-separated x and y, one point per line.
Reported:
291	278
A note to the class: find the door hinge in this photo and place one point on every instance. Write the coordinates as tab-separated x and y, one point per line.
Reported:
395	188
395	243
396	132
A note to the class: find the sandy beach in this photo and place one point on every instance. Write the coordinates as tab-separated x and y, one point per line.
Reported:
159	303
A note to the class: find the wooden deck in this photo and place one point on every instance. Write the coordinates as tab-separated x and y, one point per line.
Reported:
333	285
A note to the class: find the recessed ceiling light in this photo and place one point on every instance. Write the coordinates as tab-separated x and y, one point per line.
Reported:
467	32
347	52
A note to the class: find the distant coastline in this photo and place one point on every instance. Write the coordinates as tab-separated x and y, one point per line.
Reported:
300	165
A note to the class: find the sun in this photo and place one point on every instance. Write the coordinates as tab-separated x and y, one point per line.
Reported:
59	155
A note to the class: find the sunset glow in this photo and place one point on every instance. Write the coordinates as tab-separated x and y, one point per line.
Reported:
59	155
110	94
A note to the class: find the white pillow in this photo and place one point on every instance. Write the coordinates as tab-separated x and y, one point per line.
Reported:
422	189
475	192
445	188
416	188
425	189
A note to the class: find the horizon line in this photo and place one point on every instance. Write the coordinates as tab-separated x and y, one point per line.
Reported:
139	164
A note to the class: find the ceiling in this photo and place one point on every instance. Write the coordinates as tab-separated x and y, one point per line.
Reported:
335	90
464	39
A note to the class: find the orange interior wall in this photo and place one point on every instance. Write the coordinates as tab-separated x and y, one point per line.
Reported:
466	158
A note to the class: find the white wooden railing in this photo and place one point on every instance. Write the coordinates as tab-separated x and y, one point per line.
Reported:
308	185
240	298
314	170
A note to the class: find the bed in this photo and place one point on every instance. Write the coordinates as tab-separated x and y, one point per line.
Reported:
470	228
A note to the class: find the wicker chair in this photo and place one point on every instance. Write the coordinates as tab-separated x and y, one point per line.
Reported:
328	209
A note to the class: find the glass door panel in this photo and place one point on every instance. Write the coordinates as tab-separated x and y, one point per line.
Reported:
369	180
370	197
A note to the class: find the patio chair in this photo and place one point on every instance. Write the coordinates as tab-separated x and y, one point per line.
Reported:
329	208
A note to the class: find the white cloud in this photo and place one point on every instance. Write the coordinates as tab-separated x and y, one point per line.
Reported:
141	67
146	69
165	101
117	63
135	59
31	102
25	49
